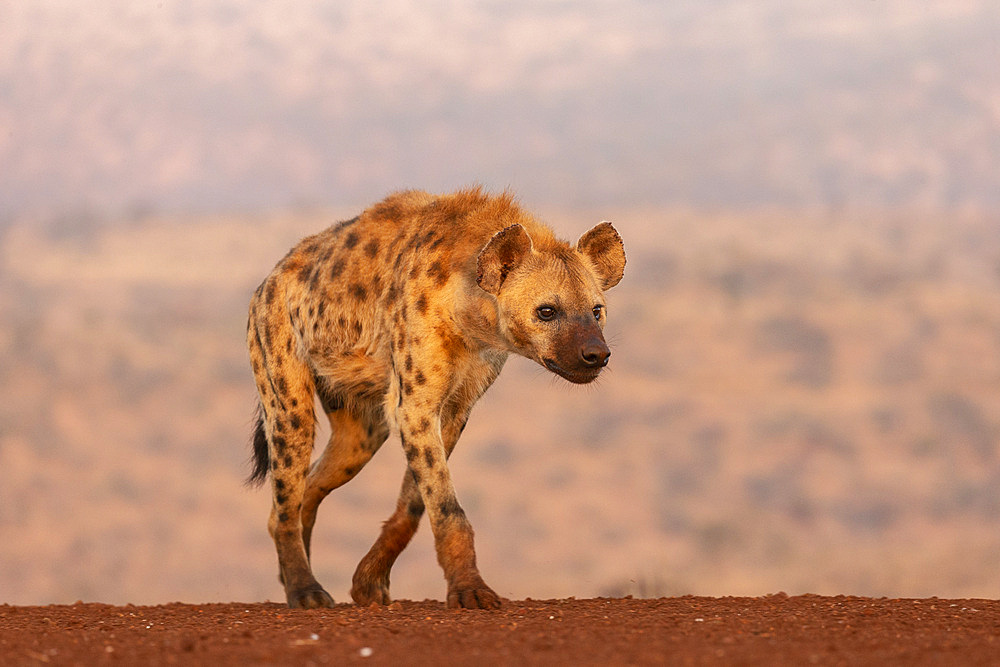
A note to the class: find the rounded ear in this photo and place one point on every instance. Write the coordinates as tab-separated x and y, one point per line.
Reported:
604	248
505	252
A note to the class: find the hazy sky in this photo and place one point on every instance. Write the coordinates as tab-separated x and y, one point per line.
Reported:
222	104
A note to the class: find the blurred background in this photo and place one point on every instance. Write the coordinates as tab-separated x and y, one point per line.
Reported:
805	388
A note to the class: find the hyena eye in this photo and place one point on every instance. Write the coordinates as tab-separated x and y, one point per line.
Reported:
598	311
545	313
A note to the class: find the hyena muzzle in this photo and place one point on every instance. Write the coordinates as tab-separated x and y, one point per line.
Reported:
400	319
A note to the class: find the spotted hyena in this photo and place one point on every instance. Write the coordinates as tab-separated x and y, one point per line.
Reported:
401	318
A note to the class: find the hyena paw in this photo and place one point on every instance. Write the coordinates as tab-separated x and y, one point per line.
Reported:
366	591
312	597
473	597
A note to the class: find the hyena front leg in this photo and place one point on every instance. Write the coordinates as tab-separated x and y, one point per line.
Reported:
286	387
426	456
371	578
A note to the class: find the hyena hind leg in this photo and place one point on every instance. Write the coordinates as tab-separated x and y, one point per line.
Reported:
355	437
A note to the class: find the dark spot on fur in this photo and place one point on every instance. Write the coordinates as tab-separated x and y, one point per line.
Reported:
279	484
419	378
429	458
283	517
320	308
451	343
424	424
295	421
279	443
422	304
287	460
450	507
409	362
305	273
337	268
349	471
415	508
280	498
357	327
269	297
371	248
342	322
407	388
282	384
437	272
409	450
358	291
279	426
351	240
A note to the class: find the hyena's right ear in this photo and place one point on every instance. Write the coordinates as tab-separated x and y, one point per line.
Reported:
504	253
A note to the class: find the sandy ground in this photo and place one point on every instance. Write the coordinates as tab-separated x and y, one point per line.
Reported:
775	629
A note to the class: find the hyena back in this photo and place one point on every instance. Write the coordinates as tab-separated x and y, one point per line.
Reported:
401	318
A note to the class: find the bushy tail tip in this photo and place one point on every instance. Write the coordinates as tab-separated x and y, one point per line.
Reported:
260	459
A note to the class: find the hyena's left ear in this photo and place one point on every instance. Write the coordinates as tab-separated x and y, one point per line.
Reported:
504	253
604	248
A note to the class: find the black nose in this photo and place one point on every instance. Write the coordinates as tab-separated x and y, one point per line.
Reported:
595	354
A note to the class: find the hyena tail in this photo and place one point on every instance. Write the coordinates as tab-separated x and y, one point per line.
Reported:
261	461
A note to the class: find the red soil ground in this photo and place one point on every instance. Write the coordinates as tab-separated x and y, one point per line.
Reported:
776	629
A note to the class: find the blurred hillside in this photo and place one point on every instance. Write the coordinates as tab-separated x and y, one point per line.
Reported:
224	105
807	404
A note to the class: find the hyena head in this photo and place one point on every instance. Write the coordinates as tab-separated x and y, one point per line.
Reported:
550	301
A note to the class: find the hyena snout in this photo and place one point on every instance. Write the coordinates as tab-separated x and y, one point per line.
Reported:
594	353
580	356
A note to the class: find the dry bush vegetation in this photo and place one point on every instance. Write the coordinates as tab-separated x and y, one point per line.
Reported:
800	404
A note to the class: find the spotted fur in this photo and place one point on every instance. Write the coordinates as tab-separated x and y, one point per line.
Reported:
400	319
